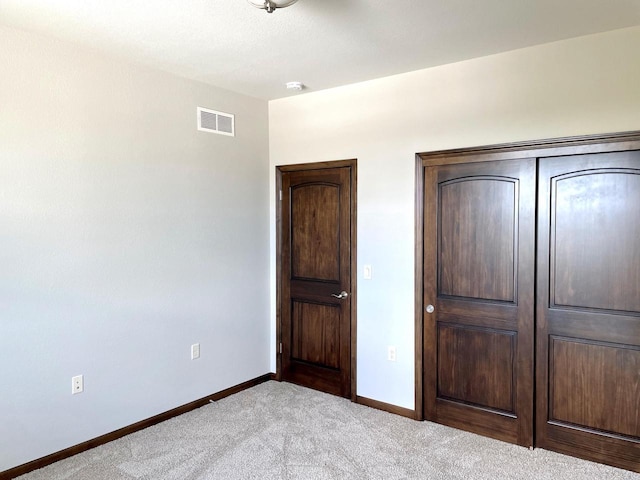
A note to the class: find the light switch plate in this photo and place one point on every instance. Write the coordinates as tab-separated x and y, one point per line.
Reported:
368	272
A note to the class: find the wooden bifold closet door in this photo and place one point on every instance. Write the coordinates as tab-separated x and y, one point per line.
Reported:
588	312
525	242
478	322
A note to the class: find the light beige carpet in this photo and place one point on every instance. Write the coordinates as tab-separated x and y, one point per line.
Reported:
282	431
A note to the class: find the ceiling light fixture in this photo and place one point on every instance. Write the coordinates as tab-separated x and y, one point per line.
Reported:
271	5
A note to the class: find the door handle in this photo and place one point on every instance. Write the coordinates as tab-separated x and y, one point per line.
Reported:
340	295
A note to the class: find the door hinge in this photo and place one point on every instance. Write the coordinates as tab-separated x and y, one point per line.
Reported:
280	348
280	195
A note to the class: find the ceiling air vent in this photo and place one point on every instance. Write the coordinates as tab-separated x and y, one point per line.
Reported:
216	122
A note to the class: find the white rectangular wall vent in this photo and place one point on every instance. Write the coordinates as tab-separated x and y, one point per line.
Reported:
216	122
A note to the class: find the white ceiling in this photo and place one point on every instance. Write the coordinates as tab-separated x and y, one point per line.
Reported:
322	43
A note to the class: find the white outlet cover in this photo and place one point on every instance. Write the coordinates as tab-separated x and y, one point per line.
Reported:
391	353
195	351
77	384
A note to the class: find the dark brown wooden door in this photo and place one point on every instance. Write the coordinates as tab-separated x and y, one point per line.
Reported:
479	234
588	311
316	284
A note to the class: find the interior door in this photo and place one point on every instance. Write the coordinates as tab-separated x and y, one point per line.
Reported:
479	233
316	283
588	311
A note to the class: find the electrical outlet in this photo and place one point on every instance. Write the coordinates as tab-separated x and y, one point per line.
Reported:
195	351
77	384
391	353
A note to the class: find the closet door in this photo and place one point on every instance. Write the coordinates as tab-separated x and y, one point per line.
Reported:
588	310
479	224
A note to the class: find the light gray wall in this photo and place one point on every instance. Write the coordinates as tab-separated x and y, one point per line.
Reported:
125	236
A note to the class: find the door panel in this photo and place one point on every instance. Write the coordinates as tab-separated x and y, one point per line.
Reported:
594	385
479	264
316	256
589	209
315	336
588	314
485	377
315	222
476	261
